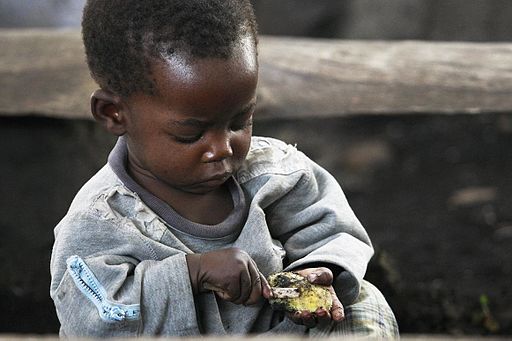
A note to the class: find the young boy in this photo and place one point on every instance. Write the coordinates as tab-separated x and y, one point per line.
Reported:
176	234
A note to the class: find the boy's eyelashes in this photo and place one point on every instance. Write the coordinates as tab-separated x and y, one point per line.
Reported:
187	140
236	126
242	124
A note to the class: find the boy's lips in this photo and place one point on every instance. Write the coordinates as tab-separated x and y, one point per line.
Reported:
220	178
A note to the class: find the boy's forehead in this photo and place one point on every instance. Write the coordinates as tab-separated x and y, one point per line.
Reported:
198	85
185	68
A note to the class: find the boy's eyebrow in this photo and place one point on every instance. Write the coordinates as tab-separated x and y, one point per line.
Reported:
194	122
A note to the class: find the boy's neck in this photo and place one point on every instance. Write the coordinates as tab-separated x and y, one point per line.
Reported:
206	208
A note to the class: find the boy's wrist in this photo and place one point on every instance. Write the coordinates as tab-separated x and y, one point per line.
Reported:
194	266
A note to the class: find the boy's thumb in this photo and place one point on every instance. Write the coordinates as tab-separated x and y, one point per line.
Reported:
322	276
218	291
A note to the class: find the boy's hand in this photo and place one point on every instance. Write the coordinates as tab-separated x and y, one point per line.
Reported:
321	276
231	273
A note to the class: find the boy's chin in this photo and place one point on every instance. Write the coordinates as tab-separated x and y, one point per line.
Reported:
206	187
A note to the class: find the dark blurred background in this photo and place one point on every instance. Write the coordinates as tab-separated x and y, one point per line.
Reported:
432	190
447	20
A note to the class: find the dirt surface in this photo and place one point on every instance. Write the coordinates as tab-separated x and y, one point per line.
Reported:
433	192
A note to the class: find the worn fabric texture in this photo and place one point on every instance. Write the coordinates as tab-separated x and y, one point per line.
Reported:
289	212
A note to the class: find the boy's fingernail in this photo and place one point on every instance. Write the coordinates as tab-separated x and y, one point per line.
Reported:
338	314
312	277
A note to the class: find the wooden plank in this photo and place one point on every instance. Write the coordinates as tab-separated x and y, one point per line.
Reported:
43	72
332	77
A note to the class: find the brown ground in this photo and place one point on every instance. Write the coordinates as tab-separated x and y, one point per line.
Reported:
433	192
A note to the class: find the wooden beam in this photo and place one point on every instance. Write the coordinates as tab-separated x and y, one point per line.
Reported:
303	77
43	72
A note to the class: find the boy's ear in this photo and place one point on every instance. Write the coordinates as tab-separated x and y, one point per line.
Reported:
106	109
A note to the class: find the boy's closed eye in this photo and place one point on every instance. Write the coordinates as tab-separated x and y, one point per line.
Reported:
188	140
191	130
186	134
242	123
243	120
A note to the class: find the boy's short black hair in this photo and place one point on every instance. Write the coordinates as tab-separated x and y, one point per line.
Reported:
122	36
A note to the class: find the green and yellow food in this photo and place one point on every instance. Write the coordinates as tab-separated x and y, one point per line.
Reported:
310	296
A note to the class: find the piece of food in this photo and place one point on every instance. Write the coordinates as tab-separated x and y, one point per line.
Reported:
285	292
310	298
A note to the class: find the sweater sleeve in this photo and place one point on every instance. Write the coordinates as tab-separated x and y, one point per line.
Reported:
106	281
315	224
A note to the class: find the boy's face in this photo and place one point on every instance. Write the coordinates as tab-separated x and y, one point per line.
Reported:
196	131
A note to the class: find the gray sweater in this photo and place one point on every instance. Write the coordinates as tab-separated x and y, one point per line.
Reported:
118	263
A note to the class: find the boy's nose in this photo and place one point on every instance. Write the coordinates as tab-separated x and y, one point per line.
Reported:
219	147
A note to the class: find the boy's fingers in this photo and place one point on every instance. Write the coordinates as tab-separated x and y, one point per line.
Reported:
337	314
304	318
265	287
321	275
295	317
245	287
337	311
308	319
221	292
256	289
323	317
223	295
